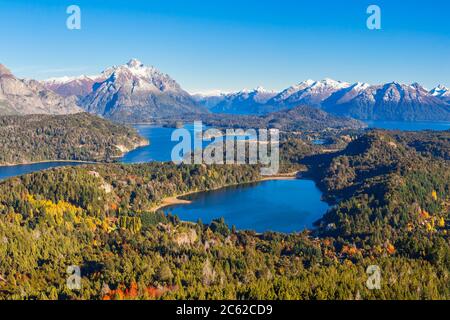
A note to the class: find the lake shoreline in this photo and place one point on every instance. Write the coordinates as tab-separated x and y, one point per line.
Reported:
143	143
175	200
51	161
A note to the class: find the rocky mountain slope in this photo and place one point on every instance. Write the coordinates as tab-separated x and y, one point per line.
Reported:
73	86
21	97
441	92
241	102
308	92
137	93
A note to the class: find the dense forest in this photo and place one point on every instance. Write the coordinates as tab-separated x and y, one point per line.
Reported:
79	137
391	206
301	118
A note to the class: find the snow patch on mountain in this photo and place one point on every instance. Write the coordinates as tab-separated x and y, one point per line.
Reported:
441	92
67	79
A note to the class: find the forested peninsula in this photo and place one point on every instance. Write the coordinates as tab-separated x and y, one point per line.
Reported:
76	137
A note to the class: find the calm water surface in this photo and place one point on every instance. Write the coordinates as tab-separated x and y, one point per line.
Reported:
279	205
160	147
12	171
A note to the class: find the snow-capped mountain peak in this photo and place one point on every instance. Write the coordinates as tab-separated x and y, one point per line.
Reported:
309	92
302	85
135	64
257	90
137	68
210	93
306	83
141	77
417	86
133	67
333	83
440	90
67	79
360	86
327	84
136	92
222	93
262	90
133	76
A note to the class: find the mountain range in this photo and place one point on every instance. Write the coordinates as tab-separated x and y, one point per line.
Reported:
134	92
19	96
441	92
390	101
242	102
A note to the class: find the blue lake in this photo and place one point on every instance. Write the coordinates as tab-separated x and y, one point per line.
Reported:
160	147
12	171
278	205
161	144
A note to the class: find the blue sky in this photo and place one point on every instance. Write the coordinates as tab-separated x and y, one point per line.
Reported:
230	44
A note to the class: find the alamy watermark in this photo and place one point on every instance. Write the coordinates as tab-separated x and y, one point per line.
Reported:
73	22
374	20
233	146
374	280
73	281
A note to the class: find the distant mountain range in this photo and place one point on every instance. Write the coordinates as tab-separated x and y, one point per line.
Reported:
18	97
242	102
134	92
391	101
441	92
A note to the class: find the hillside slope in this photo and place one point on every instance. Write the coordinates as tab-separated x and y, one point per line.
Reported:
82	137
